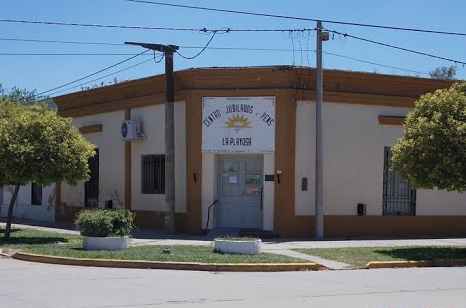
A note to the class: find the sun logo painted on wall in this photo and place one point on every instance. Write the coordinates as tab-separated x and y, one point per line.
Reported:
237	122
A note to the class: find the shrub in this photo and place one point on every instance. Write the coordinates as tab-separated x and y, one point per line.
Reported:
102	223
123	222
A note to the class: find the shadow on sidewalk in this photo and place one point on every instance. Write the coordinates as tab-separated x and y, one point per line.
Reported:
425	253
64	225
149	234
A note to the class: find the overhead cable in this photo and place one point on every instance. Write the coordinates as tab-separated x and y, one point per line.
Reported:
95	73
204	30
200	52
297	18
100	78
185	47
121	44
398	47
375	63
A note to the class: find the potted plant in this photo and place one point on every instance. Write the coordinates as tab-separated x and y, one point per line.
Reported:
238	245
105	229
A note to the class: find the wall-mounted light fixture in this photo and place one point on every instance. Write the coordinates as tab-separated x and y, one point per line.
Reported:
279	174
304	184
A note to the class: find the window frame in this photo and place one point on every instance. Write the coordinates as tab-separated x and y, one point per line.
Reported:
406	200
34	188
156	179
94	165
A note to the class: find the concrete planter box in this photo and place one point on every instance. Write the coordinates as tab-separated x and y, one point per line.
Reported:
105	243
238	247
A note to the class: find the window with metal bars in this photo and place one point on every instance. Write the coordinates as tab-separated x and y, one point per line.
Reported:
91	187
36	194
153	174
398	196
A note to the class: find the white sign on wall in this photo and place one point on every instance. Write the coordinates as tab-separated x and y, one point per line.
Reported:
238	124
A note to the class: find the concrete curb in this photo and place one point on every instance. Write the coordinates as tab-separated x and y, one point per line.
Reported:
422	263
3	254
211	267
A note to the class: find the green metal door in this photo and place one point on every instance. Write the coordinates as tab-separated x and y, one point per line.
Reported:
240	191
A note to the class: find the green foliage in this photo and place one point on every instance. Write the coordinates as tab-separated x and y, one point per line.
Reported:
102	223
25	97
123	222
432	153
37	145
443	72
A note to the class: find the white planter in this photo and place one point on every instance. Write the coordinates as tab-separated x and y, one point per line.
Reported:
238	247
105	243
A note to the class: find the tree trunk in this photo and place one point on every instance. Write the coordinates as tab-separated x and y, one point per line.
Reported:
10	213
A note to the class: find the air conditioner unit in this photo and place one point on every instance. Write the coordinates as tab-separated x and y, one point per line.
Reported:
130	130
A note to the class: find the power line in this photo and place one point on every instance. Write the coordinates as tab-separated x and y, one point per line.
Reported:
186	47
95	25
202	30
297	18
66	54
200	52
221	48
375	63
59	41
120	44
102	70
161	57
97	79
397	47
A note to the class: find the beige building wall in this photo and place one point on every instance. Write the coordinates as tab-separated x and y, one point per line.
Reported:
23	208
152	119
209	188
354	144
111	161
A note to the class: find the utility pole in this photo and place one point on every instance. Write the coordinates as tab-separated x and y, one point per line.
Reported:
169	223
319	172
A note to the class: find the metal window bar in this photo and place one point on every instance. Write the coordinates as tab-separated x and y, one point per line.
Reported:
36	194
399	198
91	187
153	174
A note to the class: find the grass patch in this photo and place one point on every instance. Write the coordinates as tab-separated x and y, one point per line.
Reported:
69	245
360	256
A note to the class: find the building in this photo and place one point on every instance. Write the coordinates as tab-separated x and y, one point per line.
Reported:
245	137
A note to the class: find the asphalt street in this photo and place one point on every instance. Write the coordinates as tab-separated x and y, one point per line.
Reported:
27	285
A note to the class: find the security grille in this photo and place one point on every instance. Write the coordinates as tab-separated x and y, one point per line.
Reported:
153	174
398	196
36	194
91	187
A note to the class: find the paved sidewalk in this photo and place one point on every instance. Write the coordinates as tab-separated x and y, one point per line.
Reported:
154	237
327	263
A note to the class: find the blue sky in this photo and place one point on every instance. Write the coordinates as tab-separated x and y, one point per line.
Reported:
46	72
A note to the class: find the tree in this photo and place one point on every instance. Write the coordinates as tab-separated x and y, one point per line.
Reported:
443	72
37	145
432	152
25	97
